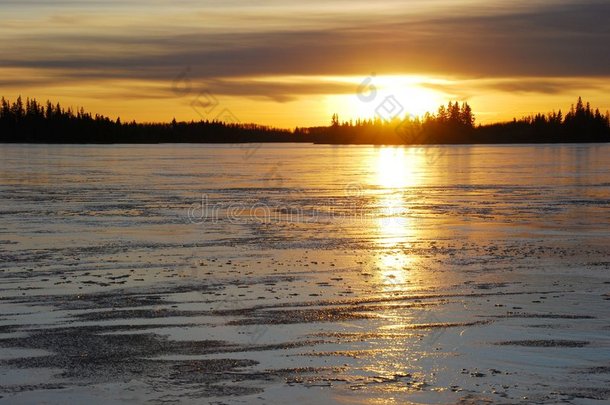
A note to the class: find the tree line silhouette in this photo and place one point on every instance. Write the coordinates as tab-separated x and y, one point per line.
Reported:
32	122
455	124
580	124
451	124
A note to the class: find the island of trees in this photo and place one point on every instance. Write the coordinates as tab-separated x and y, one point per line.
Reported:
33	122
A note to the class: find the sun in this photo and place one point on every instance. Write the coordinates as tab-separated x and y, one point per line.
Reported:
386	97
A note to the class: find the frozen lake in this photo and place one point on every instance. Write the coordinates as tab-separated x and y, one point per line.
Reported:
262	274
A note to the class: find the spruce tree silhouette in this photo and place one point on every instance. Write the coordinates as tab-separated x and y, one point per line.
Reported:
33	122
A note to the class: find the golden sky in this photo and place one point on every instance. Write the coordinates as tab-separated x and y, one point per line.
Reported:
288	63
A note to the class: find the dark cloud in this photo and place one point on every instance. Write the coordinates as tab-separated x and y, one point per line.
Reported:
277	91
543	86
466	89
567	40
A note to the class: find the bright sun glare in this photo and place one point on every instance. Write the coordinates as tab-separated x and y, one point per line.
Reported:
371	93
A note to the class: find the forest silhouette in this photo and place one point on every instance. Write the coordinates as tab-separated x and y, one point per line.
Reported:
33	122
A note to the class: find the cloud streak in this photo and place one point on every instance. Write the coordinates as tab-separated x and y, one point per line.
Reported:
568	40
248	50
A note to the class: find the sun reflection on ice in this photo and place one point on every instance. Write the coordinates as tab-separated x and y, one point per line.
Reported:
398	170
398	167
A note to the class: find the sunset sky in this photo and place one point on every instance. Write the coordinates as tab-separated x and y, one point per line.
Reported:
288	63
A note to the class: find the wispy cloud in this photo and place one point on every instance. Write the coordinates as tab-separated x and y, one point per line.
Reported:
539	46
465	89
565	40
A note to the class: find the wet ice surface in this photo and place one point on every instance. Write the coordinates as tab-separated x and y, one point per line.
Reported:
311	274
